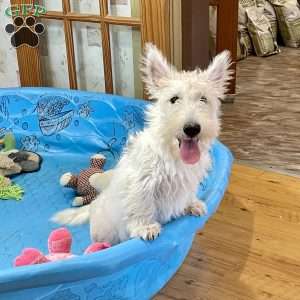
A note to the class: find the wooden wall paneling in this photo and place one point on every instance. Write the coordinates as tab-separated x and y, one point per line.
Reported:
195	34
107	61
227	31
70	46
28	60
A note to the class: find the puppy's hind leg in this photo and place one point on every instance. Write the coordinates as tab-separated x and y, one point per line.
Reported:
103	223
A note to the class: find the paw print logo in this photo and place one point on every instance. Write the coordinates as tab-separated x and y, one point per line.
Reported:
24	31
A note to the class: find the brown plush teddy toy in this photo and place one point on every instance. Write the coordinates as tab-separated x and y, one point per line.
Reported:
89	182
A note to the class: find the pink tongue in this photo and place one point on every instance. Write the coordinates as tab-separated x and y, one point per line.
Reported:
189	151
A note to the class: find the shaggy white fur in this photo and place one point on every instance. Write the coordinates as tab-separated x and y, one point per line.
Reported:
158	174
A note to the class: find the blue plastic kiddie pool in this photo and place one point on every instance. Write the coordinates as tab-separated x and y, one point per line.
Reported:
67	127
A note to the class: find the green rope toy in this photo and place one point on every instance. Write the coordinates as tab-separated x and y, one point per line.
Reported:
8	142
10	191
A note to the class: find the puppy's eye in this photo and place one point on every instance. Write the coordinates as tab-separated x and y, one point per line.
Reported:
203	99
174	99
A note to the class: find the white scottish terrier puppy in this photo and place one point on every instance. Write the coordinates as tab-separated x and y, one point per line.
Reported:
158	174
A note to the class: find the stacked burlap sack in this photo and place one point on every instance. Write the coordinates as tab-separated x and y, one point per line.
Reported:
261	21
288	16
255	28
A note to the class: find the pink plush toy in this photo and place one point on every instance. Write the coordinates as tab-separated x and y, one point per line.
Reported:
59	245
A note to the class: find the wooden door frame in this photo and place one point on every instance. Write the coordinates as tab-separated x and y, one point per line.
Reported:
195	33
227	32
155	27
154	24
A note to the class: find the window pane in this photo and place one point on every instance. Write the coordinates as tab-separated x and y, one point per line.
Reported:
88	56
125	8
53	55
126	51
53	5
85	6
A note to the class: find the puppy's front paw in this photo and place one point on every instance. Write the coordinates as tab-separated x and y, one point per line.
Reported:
197	208
146	232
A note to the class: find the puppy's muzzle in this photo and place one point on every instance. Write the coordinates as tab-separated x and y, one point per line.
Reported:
192	129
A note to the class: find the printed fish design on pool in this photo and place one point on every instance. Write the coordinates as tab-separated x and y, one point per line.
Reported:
52	118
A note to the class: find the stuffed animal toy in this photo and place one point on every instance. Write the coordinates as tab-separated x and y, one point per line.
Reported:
14	162
59	245
83	183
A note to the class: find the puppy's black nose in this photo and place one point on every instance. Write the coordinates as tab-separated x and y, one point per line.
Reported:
191	129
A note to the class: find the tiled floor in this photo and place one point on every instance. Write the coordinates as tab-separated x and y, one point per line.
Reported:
262	126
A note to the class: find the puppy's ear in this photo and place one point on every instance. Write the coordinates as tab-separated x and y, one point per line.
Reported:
219	73
154	67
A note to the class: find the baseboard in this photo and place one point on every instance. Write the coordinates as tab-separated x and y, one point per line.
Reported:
229	98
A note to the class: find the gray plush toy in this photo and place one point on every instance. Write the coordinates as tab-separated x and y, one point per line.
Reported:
15	162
